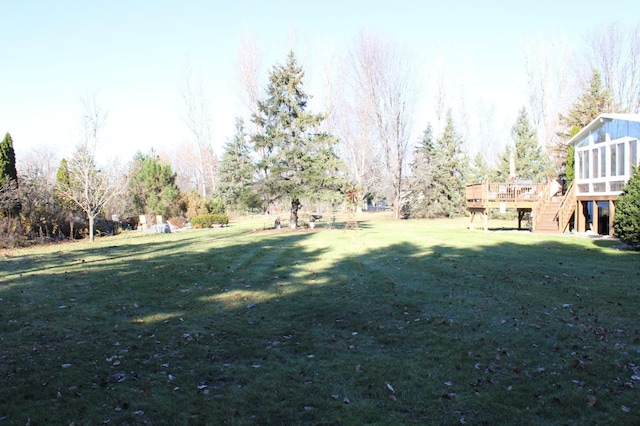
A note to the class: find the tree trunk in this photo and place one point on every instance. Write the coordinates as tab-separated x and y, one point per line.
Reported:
91	221
293	220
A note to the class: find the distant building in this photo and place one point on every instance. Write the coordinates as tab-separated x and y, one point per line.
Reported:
605	151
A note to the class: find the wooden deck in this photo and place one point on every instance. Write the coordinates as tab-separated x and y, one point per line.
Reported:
524	197
504	195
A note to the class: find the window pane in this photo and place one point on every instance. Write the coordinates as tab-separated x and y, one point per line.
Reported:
621	163
603	162
612	152
595	162
633	154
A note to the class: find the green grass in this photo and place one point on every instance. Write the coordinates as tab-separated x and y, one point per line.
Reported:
225	326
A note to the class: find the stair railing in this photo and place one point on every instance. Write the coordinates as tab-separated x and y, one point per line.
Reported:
567	207
544	200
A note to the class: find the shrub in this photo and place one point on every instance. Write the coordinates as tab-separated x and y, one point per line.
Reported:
627	219
12	233
208	220
215	206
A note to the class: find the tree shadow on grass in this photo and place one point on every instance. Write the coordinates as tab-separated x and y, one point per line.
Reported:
297	328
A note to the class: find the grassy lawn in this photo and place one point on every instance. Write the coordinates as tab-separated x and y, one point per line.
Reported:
408	322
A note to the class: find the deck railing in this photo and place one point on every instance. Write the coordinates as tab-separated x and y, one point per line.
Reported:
507	192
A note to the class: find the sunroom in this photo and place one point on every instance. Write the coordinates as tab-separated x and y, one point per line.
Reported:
605	152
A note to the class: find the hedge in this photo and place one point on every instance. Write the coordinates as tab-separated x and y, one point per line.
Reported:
208	220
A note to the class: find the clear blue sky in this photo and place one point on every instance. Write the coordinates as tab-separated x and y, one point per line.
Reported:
132	54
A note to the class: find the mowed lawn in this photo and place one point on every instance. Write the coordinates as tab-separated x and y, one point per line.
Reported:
399	322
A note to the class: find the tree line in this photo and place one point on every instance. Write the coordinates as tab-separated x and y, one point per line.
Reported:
285	156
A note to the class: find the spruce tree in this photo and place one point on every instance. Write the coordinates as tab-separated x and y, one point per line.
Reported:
530	160
595	99
440	189
296	158
626	223
421	188
236	170
480	170
7	160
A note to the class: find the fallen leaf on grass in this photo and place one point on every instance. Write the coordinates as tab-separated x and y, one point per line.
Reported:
392	397
626	409
346	400
391	388
592	401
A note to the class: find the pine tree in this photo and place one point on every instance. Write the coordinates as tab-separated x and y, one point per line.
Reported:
235	174
595	99
530	160
440	190
627	219
480	170
153	186
422	173
7	160
296	159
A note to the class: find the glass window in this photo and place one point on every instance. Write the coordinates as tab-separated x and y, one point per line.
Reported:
603	161
621	163
585	162
633	154
612	162
594	160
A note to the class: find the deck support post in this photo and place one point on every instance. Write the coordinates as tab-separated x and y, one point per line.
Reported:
484	213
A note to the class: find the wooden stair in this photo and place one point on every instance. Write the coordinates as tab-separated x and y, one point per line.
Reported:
547	220
554	214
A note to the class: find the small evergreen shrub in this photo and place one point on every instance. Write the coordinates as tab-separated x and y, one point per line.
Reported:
208	220
627	219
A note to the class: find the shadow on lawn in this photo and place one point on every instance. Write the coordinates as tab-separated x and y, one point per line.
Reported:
225	328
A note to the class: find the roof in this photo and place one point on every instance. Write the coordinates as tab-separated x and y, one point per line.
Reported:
598	122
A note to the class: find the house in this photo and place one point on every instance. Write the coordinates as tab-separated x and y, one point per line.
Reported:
605	151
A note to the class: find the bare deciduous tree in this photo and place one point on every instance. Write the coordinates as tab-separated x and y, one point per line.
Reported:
383	72
615	51
547	64
90	186
248	66
348	120
197	118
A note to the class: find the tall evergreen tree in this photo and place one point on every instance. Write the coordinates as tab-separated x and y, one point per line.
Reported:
422	185
481	170
10	202
595	99
530	160
7	160
296	159
439	190
236	170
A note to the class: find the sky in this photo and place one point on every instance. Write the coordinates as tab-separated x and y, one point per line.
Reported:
131	55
